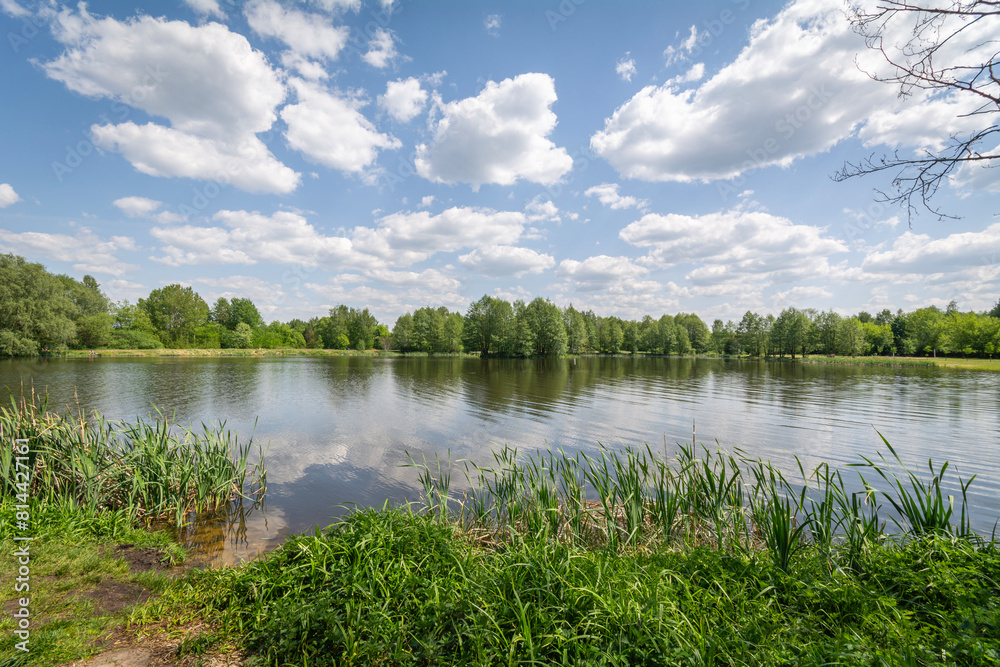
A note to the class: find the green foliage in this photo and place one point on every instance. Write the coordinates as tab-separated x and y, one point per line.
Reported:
487	325
146	469
176	312
36	308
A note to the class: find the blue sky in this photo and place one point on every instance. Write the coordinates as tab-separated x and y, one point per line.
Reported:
632	158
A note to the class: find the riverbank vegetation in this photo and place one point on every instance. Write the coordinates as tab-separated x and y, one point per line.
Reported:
624	557
627	558
45	314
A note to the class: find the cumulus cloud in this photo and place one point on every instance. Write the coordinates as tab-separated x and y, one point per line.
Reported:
541	208
599	272
505	260
794	90
607	194
734	245
404	99
499	136
143	207
305	33
88	252
137	206
162	151
330	129
921	254
251	238
381	49
215	90
409	237
625	67
206	7
7	195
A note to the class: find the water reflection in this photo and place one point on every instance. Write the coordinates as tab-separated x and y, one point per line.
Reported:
339	428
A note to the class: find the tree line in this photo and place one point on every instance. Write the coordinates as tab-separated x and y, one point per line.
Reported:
41	312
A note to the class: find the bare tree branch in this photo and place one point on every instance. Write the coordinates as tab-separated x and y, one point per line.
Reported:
915	64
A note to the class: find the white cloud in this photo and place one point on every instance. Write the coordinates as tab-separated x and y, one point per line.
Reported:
216	91
406	238
330	129
137	206
143	207
403	99
625	67
426	201
429	279
309	35
920	254
206	7
250	238
505	260
540	208
161	151
796	89
734	244
307	69
803	295
599	272
381	49
11	8
673	54
7	195
607	194
85	250
499	136
340	5
492	24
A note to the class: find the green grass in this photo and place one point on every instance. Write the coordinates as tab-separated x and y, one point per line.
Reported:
872	361
71	559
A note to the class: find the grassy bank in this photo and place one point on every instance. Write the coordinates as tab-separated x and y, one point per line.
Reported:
75	496
625	559
929	362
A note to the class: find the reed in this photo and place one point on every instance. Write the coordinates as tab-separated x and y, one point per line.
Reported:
634	498
151	469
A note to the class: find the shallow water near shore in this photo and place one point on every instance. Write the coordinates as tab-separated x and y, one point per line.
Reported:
337	430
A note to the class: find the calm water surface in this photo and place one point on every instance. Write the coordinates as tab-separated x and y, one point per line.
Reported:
337	429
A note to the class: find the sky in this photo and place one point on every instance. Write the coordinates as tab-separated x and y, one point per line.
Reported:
630	158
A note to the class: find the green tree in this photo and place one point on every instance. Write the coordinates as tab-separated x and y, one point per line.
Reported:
35	310
576	330
927	329
850	337
546	321
750	332
402	333
176	312
826	325
487	324
698	333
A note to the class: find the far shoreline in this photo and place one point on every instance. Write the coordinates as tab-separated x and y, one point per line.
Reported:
884	361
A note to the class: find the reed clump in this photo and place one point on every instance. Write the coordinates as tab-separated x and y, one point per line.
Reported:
636	498
148	469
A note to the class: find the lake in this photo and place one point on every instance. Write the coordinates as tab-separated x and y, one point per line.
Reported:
338	429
